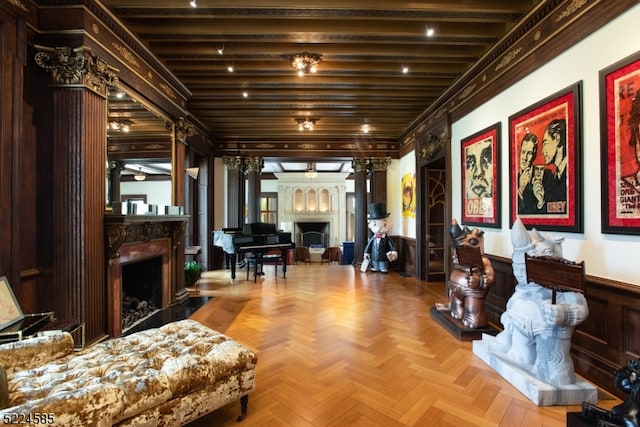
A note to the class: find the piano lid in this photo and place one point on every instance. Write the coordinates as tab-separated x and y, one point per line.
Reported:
258	228
255	234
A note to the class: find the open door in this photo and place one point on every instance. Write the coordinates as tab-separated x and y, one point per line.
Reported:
434	205
436	227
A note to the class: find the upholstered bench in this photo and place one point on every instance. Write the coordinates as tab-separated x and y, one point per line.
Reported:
165	376
258	263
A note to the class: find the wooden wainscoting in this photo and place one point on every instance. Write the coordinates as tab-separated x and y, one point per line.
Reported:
406	262
501	291
605	341
611	334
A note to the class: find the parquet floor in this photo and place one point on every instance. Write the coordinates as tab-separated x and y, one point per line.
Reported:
337	347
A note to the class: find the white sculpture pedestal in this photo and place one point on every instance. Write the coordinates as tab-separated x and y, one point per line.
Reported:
539	392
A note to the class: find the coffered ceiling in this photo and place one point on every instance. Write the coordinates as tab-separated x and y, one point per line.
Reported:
363	46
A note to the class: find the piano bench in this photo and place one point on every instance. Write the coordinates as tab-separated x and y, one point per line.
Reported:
258	264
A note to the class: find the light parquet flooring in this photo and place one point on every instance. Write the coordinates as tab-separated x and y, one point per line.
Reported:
337	347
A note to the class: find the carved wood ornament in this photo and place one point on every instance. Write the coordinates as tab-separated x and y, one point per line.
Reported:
77	66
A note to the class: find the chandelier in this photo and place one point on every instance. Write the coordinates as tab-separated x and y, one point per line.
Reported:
306	124
305	63
310	173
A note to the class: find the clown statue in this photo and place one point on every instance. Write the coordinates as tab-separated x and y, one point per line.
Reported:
380	249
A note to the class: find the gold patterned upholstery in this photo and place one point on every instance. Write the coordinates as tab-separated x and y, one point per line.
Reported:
174	374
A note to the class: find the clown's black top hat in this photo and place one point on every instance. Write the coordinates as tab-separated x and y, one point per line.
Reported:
378	211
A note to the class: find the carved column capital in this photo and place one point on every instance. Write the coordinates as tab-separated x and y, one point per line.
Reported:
72	67
233	163
253	164
182	129
380	164
361	165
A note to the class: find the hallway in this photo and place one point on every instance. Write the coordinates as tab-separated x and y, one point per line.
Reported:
337	347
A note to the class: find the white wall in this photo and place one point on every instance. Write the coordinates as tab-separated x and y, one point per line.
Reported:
157	192
609	256
402	226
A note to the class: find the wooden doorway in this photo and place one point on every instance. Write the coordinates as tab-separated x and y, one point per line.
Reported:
435	238
434	205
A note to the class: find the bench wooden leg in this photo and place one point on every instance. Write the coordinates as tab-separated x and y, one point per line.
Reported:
244	403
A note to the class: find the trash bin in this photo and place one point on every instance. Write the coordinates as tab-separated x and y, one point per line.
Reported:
291	257
347	252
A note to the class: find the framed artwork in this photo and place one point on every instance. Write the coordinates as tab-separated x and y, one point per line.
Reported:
480	182
620	146
545	151
10	311
408	195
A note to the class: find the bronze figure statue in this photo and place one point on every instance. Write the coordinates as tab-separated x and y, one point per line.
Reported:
470	279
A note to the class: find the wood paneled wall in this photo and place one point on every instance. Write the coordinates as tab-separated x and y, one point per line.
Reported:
406	261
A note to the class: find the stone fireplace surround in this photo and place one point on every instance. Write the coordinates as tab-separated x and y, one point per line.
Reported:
335	216
311	233
135	238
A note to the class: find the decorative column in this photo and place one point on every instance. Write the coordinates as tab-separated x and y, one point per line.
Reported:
379	179
235	191
253	167
115	175
80	81
360	172
181	131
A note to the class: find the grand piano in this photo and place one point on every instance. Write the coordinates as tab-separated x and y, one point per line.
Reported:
257	238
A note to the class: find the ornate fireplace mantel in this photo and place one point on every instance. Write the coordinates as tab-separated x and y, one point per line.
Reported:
122	229
133	238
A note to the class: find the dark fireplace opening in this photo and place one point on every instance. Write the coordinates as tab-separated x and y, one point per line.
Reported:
141	290
312	234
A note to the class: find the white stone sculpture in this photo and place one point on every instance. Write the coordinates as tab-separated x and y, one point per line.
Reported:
536	339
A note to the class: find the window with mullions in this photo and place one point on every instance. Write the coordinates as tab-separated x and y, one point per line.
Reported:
351	216
269	208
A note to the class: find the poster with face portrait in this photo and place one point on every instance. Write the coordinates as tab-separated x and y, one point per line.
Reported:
480	183
408	195
620	146
544	163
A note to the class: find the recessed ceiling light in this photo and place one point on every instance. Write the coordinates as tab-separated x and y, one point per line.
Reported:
230	68
365	128
193	3
245	94
405	69
430	31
